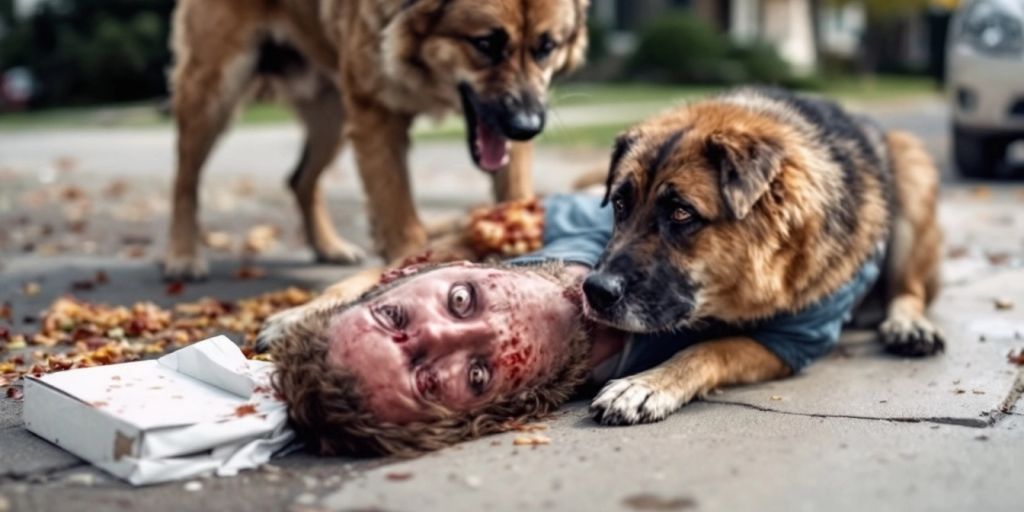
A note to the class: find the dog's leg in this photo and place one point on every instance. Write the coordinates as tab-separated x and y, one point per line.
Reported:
914	251
212	70
515	181
380	138
654	394
322	115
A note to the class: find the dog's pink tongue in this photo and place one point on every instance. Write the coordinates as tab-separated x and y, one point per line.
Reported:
492	148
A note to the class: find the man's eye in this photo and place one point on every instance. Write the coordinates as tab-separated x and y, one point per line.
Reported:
393	315
479	376
460	300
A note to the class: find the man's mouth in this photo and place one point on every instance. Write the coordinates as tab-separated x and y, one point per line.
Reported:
487	145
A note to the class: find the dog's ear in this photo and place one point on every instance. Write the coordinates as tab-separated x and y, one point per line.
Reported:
747	165
576	45
622	144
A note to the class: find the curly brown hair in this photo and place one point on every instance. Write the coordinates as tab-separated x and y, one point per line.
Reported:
325	405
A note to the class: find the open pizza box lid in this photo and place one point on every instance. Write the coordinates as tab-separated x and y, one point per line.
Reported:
201	409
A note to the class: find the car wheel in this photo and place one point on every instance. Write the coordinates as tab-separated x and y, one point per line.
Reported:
978	155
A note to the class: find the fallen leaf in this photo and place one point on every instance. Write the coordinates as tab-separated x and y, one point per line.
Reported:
957	252
1003	304
83	285
175	288
653	502
959	391
101	277
218	240
399	477
997	258
6	311
1016	358
30	289
981	192
261	238
246	272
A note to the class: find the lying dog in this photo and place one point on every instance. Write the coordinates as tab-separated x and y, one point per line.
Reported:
752	205
362	70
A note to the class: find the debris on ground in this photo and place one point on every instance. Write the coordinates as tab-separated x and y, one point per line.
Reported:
652	502
76	334
1016	358
397	476
1003	304
534	440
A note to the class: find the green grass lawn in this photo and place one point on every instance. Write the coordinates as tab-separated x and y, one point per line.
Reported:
632	101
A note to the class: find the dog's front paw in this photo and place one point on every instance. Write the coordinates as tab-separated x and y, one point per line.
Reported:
631	401
339	252
276	327
911	336
184	267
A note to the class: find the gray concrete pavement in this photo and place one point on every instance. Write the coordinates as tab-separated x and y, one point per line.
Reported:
859	430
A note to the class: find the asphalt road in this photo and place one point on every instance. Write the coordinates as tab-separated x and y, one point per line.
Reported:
859	430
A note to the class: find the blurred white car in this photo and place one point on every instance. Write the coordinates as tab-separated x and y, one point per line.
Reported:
986	83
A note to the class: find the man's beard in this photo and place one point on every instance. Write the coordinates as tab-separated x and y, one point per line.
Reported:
576	360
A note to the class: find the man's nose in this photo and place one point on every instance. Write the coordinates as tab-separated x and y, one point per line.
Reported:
524	116
603	290
453	335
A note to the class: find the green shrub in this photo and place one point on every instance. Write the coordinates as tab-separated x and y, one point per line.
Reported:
681	48
684	49
597	40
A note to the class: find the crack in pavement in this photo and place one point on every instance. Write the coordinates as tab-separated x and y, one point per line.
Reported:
991	418
44	474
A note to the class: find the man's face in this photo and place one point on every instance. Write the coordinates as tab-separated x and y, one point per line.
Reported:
456	337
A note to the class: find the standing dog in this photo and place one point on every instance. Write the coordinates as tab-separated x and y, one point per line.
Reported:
362	70
751	205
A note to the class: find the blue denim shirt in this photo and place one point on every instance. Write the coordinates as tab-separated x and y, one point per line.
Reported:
576	229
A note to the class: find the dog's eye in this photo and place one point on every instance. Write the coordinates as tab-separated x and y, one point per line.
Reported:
619	205
544	48
680	215
491	45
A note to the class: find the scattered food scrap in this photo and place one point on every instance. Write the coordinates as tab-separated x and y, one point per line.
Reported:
245	410
1003	304
534	440
77	334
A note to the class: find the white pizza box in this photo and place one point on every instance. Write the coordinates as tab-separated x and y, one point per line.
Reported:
202	409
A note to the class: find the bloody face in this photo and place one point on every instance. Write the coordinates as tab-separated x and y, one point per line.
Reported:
455	338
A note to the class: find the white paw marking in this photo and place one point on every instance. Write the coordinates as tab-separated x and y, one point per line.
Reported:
631	400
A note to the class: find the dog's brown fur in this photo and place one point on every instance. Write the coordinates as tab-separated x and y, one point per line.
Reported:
772	221
359	70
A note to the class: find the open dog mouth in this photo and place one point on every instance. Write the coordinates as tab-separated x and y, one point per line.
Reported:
488	146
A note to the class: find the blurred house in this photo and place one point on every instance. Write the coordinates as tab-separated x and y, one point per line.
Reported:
802	31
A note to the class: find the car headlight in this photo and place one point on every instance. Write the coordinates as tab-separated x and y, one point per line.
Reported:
990	29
